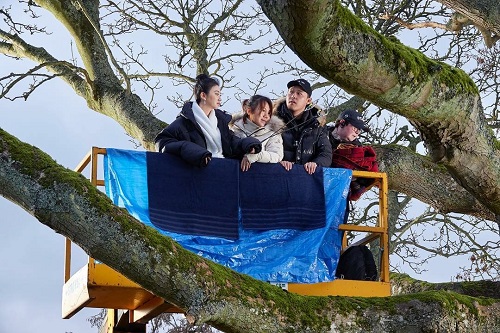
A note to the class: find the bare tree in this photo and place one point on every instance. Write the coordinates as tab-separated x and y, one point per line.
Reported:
441	102
193	38
413	224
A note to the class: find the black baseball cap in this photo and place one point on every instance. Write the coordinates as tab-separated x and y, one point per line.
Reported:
354	118
303	84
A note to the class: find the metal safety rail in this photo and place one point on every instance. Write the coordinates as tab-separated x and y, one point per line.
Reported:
98	286
379	232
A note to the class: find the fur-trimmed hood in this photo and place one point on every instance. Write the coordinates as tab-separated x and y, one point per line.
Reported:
277	103
315	110
238	122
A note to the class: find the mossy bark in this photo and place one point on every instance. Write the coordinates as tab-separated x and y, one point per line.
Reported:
442	102
101	88
484	13
66	202
402	284
420	178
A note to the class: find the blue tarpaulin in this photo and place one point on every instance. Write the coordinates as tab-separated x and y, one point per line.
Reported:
206	210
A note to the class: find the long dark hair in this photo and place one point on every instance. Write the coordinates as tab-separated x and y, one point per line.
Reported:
203	84
254	102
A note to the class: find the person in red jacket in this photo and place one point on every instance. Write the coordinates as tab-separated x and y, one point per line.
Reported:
349	153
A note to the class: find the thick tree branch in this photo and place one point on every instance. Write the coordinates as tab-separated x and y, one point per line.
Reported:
17	47
363	63
484	13
440	101
456	24
87	39
66	202
420	178
106	46
102	93
404	284
411	26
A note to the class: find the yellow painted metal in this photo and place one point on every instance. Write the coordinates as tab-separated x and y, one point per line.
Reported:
342	288
152	309
67	259
101	275
75	295
109	322
367	239
383	218
97	285
362	228
83	164
110	289
379	232
93	171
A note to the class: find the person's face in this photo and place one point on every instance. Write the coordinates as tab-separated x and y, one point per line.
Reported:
297	100
213	98
261	115
348	132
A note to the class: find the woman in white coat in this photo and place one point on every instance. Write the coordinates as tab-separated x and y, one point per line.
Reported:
257	121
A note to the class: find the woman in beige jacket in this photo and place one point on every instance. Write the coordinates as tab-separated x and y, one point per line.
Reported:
256	120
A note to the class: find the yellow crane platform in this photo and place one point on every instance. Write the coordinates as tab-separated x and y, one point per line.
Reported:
96	285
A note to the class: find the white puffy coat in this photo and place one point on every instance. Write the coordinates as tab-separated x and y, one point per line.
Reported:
269	135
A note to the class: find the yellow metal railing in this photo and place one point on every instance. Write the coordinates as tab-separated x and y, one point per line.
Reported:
380	230
90	158
145	305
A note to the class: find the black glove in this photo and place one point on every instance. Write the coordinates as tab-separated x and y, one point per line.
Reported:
257	148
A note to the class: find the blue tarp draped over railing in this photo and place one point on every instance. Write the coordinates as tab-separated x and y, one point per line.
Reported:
227	215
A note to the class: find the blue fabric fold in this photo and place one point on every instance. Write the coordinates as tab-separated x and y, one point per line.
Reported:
191	200
273	198
125	180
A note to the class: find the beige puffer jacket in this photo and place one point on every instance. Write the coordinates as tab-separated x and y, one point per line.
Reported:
269	135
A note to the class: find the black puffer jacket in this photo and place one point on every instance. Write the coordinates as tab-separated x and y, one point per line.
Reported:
304	139
184	138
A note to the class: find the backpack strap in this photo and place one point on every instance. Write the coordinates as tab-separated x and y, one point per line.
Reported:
371	272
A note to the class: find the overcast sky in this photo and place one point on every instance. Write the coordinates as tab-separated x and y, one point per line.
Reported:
31	275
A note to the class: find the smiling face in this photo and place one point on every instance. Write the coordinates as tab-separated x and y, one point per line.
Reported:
261	114
211	100
297	100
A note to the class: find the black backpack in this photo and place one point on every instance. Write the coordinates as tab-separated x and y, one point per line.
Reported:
357	263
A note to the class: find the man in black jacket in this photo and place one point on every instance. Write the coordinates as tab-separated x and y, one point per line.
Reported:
305	141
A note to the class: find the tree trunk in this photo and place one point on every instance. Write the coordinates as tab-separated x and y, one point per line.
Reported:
484	13
66	202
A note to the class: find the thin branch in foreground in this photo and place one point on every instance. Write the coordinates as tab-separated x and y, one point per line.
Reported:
15	78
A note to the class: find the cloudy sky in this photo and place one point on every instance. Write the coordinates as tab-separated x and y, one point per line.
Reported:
31	275
57	121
